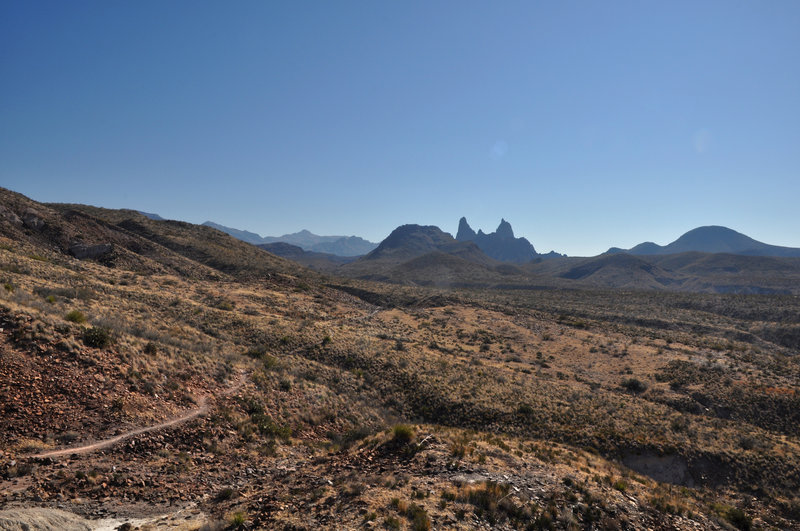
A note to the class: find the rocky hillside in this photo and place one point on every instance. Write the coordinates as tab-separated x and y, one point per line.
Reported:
230	388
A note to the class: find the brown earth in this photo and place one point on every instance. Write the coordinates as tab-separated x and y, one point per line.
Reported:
371	405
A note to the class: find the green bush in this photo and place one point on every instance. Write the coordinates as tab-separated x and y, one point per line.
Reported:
238	519
739	519
75	316
96	337
269	428
620	485
403	433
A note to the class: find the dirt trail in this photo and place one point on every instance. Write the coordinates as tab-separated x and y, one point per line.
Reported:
202	409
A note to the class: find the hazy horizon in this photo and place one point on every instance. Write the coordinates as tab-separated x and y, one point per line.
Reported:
585	126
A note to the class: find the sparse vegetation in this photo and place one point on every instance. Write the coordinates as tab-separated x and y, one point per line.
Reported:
97	337
547	391
634	385
403	433
75	316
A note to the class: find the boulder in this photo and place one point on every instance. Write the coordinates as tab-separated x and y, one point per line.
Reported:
82	251
32	220
8	215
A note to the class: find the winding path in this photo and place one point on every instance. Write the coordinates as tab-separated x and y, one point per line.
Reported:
202	409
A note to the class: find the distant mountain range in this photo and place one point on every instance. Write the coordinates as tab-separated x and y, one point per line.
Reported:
411	254
425	255
711	239
336	245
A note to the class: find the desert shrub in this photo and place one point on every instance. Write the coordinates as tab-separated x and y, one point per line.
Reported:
735	516
238	519
147	387
663	505
75	316
225	494
620	485
458	449
350	437
449	495
255	352
634	385
269	428
791	509
150	348
738	518
402	433
83	294
391	522
420	521
487	496
260	353
97	337
492	502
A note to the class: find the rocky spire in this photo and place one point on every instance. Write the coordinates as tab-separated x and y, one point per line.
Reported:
465	232
504	230
500	245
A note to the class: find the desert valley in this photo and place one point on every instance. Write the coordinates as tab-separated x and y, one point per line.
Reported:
157	374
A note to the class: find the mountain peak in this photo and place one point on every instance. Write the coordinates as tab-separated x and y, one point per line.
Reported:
465	232
713	239
500	245
411	241
504	230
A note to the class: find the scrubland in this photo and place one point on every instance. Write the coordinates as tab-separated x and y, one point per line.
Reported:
347	404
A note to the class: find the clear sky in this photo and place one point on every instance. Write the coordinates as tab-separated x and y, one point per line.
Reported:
585	124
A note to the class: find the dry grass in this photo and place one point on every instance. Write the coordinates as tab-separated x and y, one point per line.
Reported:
526	384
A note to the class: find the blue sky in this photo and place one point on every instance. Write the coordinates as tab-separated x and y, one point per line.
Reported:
585	124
